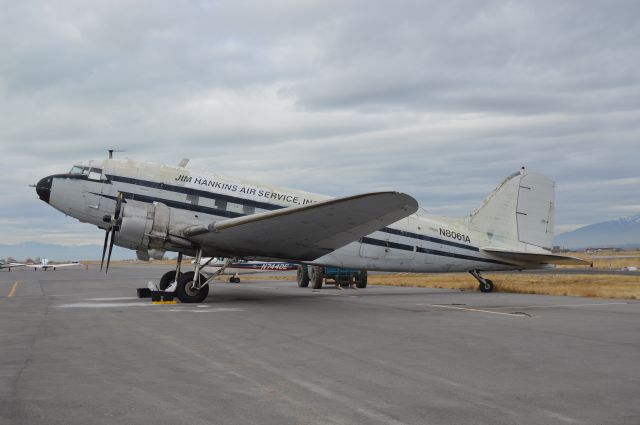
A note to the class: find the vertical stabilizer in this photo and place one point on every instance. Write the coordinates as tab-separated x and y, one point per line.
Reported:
520	210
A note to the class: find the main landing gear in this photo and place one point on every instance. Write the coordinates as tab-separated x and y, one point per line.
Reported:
192	287
486	285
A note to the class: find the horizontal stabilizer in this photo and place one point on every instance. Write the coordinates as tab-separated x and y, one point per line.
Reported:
534	257
305	232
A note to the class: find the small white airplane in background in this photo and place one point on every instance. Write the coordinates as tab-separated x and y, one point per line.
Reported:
46	265
210	265
9	266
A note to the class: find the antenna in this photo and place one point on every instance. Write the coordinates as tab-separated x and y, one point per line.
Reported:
111	151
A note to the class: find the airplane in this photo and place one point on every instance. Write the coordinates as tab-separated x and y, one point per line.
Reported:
236	268
46	265
10	265
142	206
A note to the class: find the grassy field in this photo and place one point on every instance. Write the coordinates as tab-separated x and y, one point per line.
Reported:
600	286
603	260
597	286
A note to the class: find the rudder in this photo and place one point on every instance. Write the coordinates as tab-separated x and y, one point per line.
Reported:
520	209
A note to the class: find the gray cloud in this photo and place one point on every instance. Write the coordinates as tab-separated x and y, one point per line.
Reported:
439	99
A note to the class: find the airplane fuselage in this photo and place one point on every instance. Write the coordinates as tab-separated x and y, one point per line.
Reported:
418	243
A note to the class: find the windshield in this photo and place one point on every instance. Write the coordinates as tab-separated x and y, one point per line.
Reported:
77	169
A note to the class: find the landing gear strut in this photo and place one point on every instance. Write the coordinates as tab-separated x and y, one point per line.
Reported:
193	287
169	277
486	285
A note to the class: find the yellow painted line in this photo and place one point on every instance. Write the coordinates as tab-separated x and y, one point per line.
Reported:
13	289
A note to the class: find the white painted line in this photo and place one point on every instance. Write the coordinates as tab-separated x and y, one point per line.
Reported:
477	310
105	305
212	310
568	305
112	299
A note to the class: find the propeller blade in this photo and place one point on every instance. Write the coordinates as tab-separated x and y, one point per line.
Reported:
118	205
104	247
113	237
109	237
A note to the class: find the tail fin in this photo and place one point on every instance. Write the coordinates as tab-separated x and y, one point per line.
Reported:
520	209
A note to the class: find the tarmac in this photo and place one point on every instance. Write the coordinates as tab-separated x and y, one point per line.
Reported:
77	347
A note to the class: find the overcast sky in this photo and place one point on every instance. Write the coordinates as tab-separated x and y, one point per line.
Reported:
441	100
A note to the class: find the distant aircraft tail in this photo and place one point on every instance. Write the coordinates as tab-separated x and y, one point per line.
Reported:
519	211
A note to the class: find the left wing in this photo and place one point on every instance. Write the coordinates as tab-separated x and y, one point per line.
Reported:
535	258
306	232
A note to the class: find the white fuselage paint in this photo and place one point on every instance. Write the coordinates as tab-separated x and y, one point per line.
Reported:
418	243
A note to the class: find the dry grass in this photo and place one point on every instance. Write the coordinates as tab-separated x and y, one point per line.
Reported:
600	260
598	286
595	286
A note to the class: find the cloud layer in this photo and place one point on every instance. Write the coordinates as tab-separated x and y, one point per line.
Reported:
438	99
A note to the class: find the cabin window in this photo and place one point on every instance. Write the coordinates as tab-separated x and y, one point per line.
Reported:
221	205
235	208
76	169
248	209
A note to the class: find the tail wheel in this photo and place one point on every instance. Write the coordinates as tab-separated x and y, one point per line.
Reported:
167	279
317	277
361	279
486	286
303	276
186	291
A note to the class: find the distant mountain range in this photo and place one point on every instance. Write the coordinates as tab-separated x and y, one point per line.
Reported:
22	251
620	233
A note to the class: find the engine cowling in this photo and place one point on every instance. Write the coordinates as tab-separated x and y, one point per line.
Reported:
143	226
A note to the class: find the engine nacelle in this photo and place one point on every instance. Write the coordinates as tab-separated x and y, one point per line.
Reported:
143	226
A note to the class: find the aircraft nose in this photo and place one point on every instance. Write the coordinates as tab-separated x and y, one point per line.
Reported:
43	188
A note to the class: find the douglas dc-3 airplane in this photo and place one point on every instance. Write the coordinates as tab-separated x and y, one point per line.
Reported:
146	206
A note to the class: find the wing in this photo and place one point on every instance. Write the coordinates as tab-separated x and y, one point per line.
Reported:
64	265
535	258
306	232
11	265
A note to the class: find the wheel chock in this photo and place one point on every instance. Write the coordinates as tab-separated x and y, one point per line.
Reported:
162	297
143	292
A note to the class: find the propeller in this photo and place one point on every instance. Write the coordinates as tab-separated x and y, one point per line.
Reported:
110	234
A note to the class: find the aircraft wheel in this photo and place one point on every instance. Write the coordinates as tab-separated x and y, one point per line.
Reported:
317	277
303	276
486	286
167	279
361	279
185	291
234	279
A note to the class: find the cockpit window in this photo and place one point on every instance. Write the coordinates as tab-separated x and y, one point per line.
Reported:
77	169
95	174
